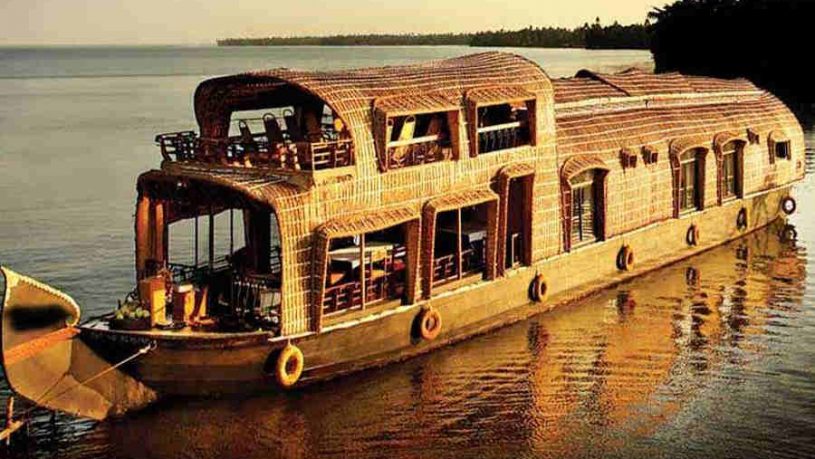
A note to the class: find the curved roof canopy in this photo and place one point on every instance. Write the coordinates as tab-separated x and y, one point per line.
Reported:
351	93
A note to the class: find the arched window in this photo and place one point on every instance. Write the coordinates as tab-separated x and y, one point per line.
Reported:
690	184
689	179
731	171
585	220
583	193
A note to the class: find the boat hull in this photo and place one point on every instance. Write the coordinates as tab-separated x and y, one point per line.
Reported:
240	363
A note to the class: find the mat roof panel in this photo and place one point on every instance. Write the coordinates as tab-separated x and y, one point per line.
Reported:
351	93
587	84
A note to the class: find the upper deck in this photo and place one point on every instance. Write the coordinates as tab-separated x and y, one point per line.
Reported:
308	124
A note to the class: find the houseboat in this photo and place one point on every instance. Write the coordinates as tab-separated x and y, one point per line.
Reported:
319	223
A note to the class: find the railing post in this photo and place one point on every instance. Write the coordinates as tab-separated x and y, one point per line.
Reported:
458	242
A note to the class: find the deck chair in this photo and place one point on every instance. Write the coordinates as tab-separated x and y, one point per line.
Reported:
314	128
274	135
293	126
399	155
250	146
272	127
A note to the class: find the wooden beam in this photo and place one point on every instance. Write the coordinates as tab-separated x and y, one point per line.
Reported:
142	234
231	231
362	269
158	230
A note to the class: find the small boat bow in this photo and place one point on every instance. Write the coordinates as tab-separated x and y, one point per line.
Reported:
46	362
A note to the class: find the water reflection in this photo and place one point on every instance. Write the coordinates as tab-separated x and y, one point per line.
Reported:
605	377
708	358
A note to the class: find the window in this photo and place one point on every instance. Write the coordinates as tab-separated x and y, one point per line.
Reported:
731	171
460	243
518	224
189	239
374	263
504	126
419	139
584	218
691	175
782	150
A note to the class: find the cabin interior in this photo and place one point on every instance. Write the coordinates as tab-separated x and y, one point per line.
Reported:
216	245
374	262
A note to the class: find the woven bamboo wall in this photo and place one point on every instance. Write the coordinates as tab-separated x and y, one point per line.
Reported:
597	116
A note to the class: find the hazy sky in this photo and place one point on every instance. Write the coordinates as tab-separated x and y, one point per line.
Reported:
188	21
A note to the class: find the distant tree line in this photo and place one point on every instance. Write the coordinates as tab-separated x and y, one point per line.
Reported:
354	40
595	36
765	41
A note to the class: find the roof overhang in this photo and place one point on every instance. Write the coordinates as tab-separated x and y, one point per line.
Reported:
242	186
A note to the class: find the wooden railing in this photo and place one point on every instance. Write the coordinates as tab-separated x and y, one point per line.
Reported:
256	150
342	297
445	267
417	151
502	136
348	295
184	273
258	300
178	146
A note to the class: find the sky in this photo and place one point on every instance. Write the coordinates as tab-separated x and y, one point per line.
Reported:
74	22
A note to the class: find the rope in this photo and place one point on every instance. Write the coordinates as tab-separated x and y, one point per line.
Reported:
143	351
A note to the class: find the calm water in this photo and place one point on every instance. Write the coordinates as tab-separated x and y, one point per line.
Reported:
657	368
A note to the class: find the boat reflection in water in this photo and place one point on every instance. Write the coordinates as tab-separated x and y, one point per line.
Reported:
611	375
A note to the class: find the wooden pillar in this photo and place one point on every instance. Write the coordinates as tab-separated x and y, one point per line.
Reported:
491	241
195	245
459	263
413	239
363	287
142	235
529	197
231	232
455	133
262	225
211	240
427	246
158	230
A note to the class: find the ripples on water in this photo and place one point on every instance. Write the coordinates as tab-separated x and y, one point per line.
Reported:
711	357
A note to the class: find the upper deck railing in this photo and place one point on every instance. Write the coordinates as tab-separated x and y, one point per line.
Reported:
279	149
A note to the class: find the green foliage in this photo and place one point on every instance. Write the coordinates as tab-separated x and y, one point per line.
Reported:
595	36
353	40
763	40
131	310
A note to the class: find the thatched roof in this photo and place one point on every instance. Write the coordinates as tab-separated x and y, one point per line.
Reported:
351	93
596	113
586	85
255	185
366	222
691	124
